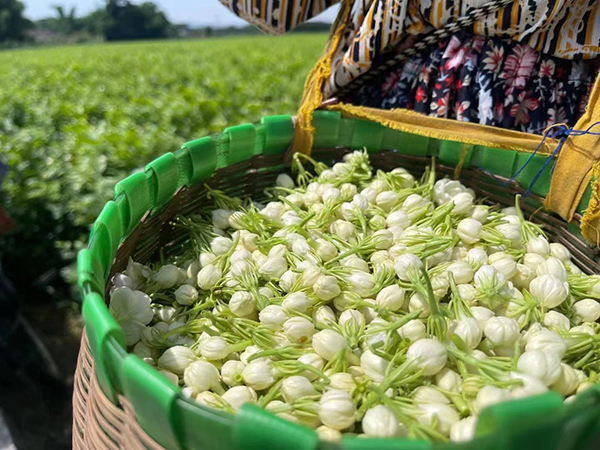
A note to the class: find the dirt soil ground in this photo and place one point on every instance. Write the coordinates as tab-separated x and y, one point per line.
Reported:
36	407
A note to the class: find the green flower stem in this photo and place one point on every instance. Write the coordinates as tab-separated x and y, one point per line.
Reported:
457	304
528	229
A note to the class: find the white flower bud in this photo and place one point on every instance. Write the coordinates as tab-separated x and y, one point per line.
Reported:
406	264
379	421
288	279
310	276
583	329
258	374
504	264
383	239
176	359
445	414
531	386
540	365
487	277
296	301
348	191
122	280
167	276
354	262
242	303
208	276
463	430
386	200
240	254
324	315
314	360
428	394
548	342
501	331
469	330
413	330
556	320
342	381
373	366
362	283
480	213
416	302
221	245
326	250
560	252
298	329
539	245
336	410
467	292
328	434
238	396
326	287
489	395
549	290
273	267
331	196
448	380
201	375
461	271
273	211
361	202
295	387
390	297
463	203
512	232
477	257
533	260
170	376
214	348
554	267
567	382
273	317
428	355
468	230
186	295
397	218
285	181
523	277
328	343
588	310
349	211
220	218
343	229
231	372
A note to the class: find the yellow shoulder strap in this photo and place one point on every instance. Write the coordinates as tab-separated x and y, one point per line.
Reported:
577	162
313	88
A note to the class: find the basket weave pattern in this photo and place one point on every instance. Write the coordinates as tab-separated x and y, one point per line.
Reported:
99	424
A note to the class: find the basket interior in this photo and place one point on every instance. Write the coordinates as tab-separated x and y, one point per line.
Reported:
157	233
242	162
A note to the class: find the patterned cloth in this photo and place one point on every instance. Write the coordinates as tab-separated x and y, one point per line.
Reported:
491	81
567	29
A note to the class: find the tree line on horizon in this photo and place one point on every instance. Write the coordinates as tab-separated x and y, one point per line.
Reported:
116	20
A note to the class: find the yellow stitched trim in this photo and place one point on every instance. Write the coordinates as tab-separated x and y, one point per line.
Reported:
304	133
464	151
591	217
448	129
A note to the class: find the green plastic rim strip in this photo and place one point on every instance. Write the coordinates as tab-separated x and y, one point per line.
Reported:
175	422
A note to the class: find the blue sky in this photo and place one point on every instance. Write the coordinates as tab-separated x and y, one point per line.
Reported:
194	12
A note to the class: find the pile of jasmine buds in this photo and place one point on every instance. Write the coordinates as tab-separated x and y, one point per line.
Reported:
372	303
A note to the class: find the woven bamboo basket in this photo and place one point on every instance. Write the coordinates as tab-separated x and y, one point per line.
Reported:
121	403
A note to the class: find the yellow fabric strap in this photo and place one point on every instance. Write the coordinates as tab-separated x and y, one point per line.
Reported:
448	129
574	169
313	88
